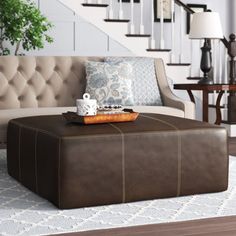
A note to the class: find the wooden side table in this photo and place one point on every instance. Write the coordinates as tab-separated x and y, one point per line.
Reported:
206	89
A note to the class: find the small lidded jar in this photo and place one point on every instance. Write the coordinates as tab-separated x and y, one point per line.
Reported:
86	106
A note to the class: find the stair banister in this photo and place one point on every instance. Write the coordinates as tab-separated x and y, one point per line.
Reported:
181	32
172	31
186	8
152	42
121	12
220	62
162	42
191	58
132	29
110	12
141	30
226	65
214	68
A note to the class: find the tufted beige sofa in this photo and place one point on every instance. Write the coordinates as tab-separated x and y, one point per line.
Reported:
32	86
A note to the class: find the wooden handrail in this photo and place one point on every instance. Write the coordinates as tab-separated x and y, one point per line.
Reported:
186	8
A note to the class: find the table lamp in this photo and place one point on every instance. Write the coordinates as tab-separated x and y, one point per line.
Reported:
207	26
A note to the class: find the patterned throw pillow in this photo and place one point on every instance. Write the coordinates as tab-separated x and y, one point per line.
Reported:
110	83
144	86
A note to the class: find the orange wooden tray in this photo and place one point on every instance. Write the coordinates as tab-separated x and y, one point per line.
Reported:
101	118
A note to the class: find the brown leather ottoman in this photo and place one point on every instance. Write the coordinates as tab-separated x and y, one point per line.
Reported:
156	156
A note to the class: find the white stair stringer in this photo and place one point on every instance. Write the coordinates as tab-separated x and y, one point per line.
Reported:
117	31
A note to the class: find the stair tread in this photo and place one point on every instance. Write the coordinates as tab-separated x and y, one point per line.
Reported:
179	64
117	20
138	35
94	5
158	50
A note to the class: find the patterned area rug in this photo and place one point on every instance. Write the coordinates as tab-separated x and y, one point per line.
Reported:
24	213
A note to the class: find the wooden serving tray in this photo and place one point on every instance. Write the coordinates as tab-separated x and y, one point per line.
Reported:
101	118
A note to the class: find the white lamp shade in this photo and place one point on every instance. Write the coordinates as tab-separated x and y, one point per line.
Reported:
206	25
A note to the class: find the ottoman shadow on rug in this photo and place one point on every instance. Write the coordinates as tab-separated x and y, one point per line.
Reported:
23	213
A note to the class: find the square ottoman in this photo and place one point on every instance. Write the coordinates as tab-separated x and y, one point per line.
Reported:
156	156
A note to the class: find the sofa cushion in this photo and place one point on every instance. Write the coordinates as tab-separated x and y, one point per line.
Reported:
109	83
144	85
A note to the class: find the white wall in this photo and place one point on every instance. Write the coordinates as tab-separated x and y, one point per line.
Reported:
73	36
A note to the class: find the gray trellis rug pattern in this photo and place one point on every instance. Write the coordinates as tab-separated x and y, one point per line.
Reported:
24	213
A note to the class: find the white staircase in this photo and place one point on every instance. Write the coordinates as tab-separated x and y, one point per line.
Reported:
97	14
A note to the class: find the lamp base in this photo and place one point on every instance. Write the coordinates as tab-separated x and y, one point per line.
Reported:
205	80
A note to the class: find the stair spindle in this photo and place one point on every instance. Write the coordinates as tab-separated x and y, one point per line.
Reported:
141	30
162	42
200	54
220	80
181	34
214	60
153	42
214	54
173	32
132	30
226	75
121	12
110	12
226	65
191	59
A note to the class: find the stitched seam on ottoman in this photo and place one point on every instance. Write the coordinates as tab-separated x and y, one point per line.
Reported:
19	150
123	161
34	129
35	161
179	179
59	172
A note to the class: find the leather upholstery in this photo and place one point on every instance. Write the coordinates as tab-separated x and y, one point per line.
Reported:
49	81
154	157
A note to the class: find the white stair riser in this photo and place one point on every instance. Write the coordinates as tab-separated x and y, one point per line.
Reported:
179	74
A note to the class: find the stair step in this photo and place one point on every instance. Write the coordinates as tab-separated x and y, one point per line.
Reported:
138	35
179	64
94	5
158	50
117	20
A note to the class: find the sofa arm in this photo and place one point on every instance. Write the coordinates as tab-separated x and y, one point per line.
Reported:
171	100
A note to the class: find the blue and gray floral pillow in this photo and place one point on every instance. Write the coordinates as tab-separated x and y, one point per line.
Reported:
110	83
144	85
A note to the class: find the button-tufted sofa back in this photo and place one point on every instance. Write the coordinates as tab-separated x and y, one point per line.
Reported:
41	81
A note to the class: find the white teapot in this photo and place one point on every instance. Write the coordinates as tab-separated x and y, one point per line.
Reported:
86	106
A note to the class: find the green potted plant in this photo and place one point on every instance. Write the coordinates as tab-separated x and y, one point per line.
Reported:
23	25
